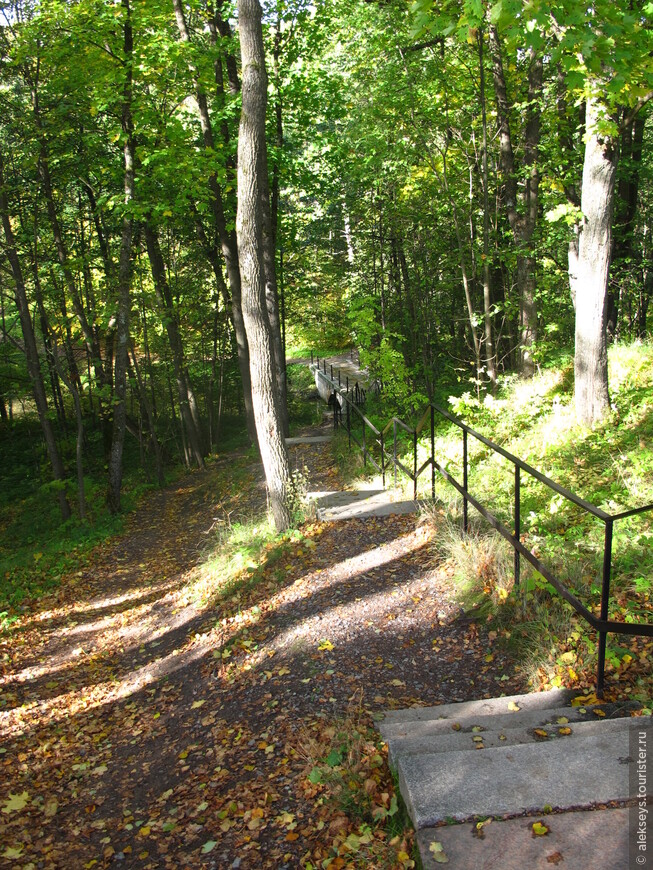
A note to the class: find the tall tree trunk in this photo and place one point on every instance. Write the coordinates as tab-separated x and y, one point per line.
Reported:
124	275
595	245
149	413
250	229
31	352
171	321
632	138
73	389
530	201
490	355
522	225
228	240
270	204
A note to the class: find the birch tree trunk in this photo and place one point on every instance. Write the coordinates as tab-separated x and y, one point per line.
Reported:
250	229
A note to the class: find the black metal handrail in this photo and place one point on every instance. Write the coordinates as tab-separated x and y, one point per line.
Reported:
602	624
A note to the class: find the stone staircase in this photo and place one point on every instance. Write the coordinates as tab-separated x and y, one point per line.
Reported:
504	758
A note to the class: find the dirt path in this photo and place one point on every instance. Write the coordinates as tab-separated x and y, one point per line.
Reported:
144	727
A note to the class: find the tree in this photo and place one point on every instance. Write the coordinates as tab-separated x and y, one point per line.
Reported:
253	191
124	268
608	78
31	352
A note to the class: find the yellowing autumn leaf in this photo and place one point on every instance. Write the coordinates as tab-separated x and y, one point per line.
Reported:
513	707
398	683
540	829
283	671
581	700
325	645
16	802
197	704
439	855
564	732
12	852
540	732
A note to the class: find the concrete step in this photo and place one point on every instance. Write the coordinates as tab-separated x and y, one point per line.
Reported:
308	439
518	717
583	840
509	780
483	706
358	504
477	740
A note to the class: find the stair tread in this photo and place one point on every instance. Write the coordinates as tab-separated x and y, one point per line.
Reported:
575	840
510	780
483	706
478	741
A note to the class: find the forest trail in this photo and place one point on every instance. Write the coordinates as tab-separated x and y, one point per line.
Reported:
153	719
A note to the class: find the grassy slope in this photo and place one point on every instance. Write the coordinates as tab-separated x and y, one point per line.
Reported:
610	466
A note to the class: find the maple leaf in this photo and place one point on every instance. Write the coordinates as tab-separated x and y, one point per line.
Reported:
325	645
16	802
540	829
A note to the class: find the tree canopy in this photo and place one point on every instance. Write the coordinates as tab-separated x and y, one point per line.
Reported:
461	190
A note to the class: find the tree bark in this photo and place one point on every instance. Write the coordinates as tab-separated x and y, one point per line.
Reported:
522	224
250	229
490	355
31	352
124	275
228	240
595	245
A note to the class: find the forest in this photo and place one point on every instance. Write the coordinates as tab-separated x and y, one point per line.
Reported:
462	191
196	198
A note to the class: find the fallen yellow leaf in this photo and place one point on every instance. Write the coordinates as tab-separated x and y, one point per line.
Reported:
439	855
16	802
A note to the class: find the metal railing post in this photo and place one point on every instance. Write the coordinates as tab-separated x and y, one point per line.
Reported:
465	481
347	382
517	520
605	600
394	451
339	381
331	367
349	425
432	453
415	465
